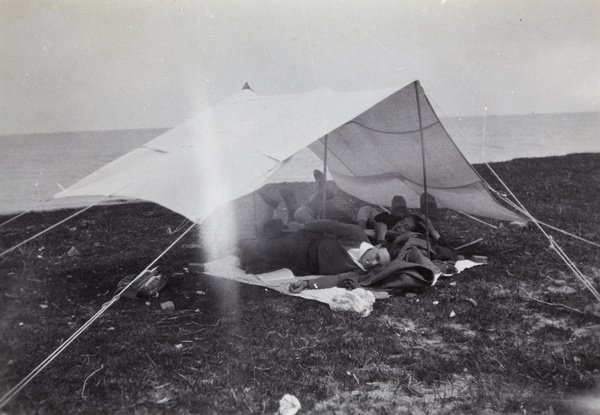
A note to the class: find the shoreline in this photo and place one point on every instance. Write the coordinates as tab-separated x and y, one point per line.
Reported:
33	168
82	202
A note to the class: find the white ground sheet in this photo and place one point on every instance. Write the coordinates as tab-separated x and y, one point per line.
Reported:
279	280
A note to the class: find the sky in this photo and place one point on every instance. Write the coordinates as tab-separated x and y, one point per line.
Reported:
77	65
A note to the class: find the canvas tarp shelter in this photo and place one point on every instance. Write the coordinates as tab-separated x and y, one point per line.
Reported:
374	151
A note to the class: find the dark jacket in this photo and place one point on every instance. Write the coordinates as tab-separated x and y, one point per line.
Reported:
332	249
439	248
320	249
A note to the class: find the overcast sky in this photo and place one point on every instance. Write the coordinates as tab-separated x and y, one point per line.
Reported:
100	65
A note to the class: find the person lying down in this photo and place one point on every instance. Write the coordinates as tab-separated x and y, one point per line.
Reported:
409	271
341	256
319	247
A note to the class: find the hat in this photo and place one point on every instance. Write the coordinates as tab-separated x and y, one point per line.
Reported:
399	207
429	205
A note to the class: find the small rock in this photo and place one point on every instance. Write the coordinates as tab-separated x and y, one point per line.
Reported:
167	306
73	252
288	405
470	300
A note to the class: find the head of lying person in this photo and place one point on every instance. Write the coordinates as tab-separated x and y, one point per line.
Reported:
410	223
375	256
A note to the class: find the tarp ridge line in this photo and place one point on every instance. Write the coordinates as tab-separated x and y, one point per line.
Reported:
366	127
397	175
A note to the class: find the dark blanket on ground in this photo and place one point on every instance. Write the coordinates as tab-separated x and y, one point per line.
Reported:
410	271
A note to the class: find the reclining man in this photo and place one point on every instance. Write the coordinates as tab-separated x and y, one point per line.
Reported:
400	227
320	247
397	226
412	269
317	206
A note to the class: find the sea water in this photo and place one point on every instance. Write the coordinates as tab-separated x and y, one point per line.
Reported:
35	167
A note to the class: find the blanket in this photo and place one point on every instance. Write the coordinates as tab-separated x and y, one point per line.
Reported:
279	280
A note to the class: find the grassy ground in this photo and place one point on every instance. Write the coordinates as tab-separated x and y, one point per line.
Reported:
501	338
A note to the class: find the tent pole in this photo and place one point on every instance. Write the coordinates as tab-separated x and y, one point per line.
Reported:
424	170
255	217
324	208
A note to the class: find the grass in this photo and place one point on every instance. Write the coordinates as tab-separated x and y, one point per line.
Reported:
500	338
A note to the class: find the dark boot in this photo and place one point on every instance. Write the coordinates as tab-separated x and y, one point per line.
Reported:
291	203
398	207
319	177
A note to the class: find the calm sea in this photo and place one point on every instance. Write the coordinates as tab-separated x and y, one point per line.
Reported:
35	167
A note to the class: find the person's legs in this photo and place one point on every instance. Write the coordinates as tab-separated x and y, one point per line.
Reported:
309	210
263	254
366	215
315	201
334	213
270	206
291	203
269	254
304	214
313	209
319	177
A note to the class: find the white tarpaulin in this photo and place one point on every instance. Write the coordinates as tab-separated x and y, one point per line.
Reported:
374	142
